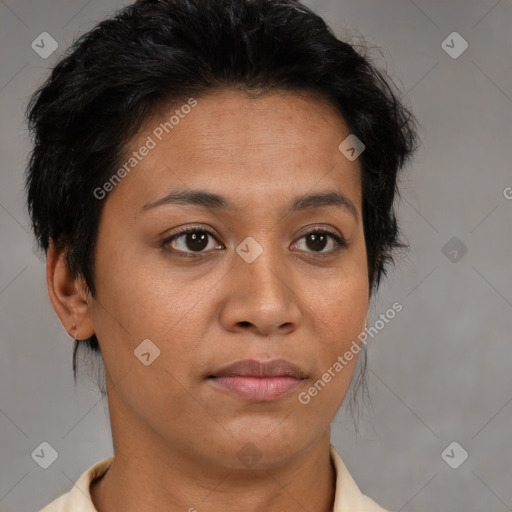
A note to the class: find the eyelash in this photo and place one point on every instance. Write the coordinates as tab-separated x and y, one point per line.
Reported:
339	241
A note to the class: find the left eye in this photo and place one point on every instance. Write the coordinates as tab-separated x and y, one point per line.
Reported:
318	240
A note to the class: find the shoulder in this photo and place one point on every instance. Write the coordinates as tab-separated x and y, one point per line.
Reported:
78	499
57	505
348	496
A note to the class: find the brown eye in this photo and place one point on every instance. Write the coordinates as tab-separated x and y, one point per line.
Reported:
191	241
317	241
196	241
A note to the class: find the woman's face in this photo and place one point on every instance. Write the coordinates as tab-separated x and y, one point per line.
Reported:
250	285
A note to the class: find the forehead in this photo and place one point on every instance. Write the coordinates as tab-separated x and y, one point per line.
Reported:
231	141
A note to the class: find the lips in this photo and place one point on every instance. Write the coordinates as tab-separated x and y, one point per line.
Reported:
254	368
258	381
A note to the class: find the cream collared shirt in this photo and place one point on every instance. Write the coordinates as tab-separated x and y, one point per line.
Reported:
348	497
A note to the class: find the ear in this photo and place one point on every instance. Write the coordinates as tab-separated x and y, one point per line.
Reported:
68	295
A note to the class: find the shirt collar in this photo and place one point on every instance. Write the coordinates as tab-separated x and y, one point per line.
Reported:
348	496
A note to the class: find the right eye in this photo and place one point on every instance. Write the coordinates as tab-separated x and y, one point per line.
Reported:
190	241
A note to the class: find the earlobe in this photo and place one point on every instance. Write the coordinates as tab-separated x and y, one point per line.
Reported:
68	295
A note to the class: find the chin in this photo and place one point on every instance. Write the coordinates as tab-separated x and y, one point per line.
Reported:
258	451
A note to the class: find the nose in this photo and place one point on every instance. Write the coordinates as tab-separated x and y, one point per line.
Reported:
261	296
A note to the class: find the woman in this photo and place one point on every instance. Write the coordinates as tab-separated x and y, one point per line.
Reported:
213	184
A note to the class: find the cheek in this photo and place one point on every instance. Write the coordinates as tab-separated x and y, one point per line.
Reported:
341	302
336	353
142	325
135	295
341	311
138	301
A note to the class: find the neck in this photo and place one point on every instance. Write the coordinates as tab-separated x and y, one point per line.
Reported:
149	477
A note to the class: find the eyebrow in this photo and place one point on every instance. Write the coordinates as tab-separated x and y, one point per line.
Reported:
217	202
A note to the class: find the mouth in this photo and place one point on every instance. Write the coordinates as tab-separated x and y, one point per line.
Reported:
258	381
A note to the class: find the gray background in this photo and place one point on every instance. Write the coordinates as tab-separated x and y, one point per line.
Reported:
439	372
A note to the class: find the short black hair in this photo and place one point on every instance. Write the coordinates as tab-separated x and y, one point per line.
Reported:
155	53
